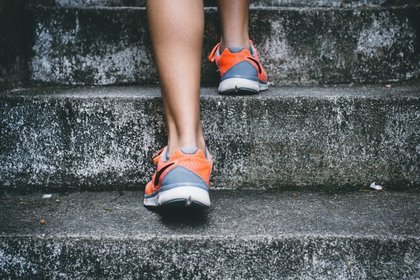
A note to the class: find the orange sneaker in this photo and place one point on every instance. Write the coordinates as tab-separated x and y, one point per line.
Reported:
240	70
181	180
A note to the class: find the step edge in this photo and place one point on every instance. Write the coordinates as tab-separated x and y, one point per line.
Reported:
214	237
214	9
403	91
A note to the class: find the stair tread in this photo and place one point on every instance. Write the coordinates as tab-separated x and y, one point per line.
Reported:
245	235
234	214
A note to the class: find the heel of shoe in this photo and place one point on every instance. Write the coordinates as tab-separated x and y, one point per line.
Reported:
181	196
185	196
238	86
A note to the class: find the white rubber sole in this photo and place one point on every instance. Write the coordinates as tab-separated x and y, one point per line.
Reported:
241	86
183	196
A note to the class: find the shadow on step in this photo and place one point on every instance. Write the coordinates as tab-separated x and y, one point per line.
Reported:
189	216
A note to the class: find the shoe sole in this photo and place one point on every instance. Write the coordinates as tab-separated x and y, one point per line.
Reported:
240	86
182	196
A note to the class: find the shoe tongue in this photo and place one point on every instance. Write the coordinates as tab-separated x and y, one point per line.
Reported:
235	49
165	155
189	150
185	150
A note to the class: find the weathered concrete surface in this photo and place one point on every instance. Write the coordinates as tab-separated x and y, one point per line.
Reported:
332	138
254	3
298	46
245	235
14	44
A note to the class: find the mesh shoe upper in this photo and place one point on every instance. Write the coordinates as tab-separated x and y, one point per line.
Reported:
229	59
182	168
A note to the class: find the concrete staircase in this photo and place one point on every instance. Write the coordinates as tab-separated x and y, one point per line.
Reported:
80	117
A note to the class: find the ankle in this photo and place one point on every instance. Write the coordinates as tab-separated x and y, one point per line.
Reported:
238	43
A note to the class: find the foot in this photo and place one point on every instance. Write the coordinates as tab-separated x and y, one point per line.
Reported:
181	180
240	70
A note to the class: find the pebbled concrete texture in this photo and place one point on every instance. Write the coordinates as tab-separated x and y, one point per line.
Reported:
298	46
245	235
102	138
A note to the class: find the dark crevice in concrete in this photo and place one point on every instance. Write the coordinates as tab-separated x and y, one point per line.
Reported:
15	43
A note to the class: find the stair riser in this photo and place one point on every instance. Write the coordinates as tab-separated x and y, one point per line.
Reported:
297	46
210	258
97	142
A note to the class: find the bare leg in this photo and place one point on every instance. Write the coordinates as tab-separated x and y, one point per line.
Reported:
234	17
177	29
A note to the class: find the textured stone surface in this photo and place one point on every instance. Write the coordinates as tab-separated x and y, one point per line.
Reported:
101	46
245	235
332	138
254	3
14	42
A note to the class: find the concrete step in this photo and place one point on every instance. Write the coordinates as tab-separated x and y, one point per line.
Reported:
319	138
254	3
245	235
298	46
